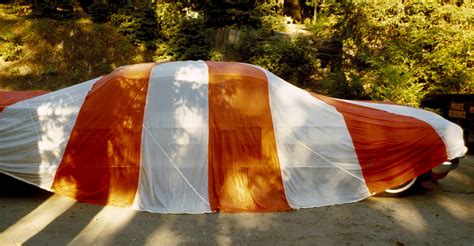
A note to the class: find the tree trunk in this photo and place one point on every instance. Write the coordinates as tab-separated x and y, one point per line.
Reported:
315	15
295	10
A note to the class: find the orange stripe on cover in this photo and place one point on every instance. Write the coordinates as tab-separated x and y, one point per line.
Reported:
244	169
10	97
391	149
102	158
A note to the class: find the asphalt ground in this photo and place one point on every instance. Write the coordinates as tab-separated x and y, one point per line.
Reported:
439	213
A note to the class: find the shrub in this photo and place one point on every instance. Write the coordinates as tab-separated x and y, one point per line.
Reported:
10	46
100	12
216	55
400	51
256	14
183	34
396	83
189	42
169	17
10	52
54	9
289	58
265	16
139	23
339	85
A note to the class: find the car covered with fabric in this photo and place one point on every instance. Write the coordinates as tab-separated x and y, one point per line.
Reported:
200	137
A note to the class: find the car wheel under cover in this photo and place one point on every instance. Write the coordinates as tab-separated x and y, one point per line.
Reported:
402	189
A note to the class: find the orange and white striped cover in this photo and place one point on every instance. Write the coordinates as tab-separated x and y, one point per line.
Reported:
200	137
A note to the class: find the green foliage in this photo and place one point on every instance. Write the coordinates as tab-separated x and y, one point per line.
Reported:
265	16
216	55
105	68
289	58
139	23
256	14
219	14
339	85
273	23
56	54
100	12
179	30
397	84
402	51
54	9
191	39
18	9
11	37
169	17
385	50
189	42
49	70
10	46
183	34
10	52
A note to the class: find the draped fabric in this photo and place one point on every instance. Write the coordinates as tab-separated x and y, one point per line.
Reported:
387	144
102	158
200	137
11	97
244	169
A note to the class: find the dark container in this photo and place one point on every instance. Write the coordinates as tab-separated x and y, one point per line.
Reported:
458	108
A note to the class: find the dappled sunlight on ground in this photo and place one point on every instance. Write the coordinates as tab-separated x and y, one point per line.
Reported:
103	226
36	220
403	213
438	214
460	180
461	210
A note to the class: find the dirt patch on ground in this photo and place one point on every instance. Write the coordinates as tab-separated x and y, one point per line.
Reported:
439	214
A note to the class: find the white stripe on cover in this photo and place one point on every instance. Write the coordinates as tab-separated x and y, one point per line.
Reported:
174	163
34	133
450	133
317	158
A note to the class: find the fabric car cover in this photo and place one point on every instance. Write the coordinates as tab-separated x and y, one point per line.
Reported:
11	97
200	137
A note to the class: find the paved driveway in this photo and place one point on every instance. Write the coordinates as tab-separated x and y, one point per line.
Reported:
439	214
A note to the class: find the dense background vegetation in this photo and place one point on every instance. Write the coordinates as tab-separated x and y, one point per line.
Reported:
394	50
